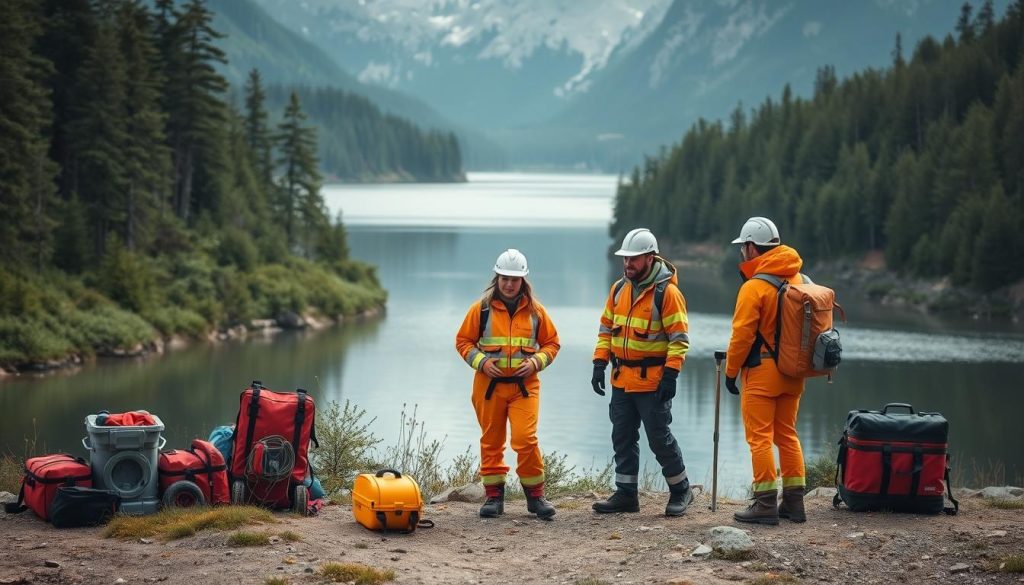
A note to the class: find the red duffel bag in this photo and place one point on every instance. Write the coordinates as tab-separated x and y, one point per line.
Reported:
202	465
270	454
43	475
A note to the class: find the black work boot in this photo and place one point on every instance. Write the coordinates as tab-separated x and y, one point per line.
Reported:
620	501
495	504
792	504
536	504
764	509
680	496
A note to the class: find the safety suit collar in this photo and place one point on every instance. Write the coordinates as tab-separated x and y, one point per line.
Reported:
779	261
498	301
661	271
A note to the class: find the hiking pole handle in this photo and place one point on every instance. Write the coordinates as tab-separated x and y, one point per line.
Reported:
719	355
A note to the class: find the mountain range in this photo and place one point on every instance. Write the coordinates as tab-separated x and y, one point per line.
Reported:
577	83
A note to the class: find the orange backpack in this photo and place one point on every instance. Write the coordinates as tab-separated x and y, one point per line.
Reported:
806	344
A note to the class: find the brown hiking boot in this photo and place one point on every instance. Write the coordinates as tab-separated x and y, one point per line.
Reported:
764	509
495	504
792	504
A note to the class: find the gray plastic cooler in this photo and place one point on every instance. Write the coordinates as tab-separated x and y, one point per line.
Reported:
124	459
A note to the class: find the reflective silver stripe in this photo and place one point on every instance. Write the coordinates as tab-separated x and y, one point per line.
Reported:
619	478
676	478
685	338
604	330
535	322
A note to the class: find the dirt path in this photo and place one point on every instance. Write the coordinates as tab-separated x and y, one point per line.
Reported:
835	546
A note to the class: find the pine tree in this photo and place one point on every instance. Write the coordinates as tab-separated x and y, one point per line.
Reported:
897	52
146	156
299	198
194	102
26	172
257	133
964	27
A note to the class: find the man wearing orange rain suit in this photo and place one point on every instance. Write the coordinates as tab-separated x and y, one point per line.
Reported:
770	399
507	337
643	333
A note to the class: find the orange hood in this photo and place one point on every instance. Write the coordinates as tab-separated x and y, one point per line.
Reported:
781	261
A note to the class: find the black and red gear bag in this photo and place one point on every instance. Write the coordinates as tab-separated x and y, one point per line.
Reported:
43	475
282	417
202	465
894	461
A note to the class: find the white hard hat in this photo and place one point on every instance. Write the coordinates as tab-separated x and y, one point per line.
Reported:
511	262
637	242
759	231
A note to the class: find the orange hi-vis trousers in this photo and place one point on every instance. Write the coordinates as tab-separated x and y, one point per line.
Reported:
507	407
769	406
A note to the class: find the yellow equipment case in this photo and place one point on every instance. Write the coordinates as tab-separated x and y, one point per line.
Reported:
388	502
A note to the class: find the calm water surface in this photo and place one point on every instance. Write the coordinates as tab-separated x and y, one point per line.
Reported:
435	246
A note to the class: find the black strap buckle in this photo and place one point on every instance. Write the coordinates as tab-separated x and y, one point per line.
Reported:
517	380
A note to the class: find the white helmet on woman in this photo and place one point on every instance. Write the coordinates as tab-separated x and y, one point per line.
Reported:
638	242
511	262
759	231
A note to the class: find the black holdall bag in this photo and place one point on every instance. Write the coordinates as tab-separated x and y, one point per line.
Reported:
75	507
894	460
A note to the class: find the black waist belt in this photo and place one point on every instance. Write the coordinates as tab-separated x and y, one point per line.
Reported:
517	380
643	364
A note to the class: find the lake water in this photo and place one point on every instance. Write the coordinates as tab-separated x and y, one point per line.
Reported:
435	246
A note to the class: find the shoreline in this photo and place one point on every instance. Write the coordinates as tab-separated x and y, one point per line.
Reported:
266	327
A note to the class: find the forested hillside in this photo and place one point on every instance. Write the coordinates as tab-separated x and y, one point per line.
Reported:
136	201
358	141
924	160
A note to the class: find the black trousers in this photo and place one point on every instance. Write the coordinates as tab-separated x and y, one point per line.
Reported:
626	411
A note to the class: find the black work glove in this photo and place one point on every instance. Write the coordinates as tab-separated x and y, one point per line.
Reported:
597	381
667	385
730	385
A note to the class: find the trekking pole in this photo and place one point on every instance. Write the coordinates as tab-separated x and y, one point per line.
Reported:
719	356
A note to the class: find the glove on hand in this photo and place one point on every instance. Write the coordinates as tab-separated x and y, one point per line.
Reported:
667	385
730	384
597	381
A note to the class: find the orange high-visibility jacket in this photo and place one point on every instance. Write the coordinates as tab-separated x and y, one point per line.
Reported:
633	330
756	310
508	338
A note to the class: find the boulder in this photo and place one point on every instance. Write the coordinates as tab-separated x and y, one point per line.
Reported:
1002	492
822	492
471	492
290	320
728	539
7	498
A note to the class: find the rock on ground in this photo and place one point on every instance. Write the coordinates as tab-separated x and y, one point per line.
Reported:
727	539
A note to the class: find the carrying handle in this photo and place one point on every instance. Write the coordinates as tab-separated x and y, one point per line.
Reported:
391	471
163	443
86	443
885	409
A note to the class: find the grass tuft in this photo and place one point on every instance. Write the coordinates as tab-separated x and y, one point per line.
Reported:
276	581
590	581
1006	504
243	538
177	523
290	536
355	572
1013	564
733	555
773	578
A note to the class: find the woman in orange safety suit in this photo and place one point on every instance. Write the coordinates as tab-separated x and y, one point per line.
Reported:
507	337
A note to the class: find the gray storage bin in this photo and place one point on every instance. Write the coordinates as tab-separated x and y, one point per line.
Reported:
124	459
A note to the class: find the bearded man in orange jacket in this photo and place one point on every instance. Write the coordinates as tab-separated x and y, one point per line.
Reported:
770	399
643	334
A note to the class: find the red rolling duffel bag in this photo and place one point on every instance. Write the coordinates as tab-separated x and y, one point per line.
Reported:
43	475
271	428
202	465
894	461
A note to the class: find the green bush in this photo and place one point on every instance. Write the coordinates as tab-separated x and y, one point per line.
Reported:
171	320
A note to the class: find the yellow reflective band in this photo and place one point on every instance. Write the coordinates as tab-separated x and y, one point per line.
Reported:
794	482
477	360
493	340
543	359
638	323
532	481
679	317
607	314
677	349
511	341
492	479
651	346
523	342
603	343
765	486
507	363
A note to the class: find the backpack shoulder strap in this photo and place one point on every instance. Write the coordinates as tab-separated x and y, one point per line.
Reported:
659	296
770	279
485	312
618	289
